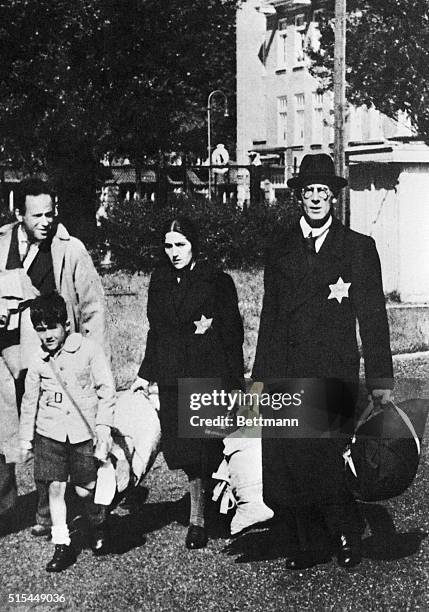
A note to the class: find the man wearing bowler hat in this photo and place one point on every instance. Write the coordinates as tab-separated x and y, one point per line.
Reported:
320	279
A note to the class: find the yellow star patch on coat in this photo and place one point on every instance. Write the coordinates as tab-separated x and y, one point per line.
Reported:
203	325
339	290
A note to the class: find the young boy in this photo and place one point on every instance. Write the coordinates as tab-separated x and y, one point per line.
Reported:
68	402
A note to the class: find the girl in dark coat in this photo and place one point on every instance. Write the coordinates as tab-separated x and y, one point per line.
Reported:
195	331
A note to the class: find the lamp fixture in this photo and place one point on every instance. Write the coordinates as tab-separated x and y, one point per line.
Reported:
265	8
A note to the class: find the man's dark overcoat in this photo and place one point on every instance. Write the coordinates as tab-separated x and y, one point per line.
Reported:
174	350
304	334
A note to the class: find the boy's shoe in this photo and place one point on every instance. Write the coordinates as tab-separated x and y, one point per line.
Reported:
64	556
40	530
99	540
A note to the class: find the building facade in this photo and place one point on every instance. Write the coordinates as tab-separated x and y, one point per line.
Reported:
281	113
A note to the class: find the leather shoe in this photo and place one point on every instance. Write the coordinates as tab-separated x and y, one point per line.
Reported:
99	540
196	537
349	553
305	559
40	530
64	556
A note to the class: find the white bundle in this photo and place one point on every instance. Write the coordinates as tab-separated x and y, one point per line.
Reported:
240	476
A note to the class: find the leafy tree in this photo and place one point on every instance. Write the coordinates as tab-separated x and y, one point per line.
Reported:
387	57
132	77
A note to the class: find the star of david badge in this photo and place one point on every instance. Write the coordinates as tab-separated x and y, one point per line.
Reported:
339	290
203	325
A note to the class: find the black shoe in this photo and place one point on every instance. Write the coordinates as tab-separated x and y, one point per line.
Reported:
39	530
349	552
99	540
196	537
64	556
305	559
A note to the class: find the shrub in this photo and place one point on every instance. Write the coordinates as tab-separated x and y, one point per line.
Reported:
229	236
6	216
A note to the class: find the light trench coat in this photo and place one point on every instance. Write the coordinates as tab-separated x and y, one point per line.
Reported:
77	281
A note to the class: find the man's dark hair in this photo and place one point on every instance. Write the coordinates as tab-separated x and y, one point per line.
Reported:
49	309
32	186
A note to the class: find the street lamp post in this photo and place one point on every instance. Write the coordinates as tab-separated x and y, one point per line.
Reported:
209	130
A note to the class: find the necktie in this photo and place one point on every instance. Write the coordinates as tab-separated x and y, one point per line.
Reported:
310	242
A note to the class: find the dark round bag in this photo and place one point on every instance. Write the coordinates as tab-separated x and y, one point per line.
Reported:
382	458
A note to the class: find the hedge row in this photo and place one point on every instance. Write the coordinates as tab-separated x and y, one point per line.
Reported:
231	237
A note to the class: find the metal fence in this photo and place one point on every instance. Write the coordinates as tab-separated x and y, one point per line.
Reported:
242	184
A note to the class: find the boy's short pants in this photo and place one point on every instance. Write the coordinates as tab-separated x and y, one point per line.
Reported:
55	460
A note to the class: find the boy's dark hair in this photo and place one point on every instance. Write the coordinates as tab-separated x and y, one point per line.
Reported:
33	186
49	309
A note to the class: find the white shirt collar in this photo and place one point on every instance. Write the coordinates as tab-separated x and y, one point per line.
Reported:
22	234
27	250
315	231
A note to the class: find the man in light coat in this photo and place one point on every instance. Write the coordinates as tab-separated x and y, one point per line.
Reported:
53	260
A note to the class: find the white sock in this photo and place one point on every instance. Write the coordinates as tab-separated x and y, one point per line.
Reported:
60	534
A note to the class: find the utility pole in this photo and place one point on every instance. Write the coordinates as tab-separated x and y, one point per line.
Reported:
340	102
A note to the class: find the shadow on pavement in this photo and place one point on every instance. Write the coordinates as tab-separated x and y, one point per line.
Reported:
277	540
385	543
23	514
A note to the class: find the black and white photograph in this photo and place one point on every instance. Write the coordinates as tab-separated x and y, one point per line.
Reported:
214	305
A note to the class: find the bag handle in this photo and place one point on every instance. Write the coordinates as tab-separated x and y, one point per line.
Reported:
369	412
69	395
410	426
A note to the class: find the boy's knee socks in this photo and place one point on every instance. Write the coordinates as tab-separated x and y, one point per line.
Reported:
60	534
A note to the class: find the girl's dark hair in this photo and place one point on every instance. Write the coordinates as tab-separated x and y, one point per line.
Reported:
183	225
49	309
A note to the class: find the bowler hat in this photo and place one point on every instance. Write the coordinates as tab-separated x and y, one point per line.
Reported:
317	168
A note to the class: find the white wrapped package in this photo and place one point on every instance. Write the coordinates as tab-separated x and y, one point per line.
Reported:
240	476
136	418
106	484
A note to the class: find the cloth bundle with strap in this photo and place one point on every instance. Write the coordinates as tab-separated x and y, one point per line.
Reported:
382	458
240	483
16	292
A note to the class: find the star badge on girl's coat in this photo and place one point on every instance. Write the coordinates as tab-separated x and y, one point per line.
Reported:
202	325
339	290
